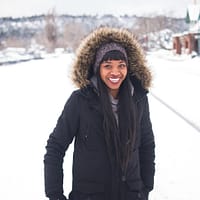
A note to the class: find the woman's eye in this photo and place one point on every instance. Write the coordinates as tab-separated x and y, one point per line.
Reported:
122	65
107	66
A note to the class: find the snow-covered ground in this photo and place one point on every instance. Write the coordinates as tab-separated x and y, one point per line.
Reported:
176	82
33	95
12	55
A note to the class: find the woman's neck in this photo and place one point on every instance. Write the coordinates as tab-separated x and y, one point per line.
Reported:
114	93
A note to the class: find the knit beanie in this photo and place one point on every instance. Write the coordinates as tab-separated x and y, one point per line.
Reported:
105	49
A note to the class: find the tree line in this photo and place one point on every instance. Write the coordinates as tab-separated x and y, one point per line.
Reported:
65	31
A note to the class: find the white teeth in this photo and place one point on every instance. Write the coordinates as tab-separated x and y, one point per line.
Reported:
114	80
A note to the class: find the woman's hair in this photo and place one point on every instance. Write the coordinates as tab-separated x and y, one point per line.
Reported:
119	137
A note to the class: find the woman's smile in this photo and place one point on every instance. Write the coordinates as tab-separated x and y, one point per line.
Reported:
114	80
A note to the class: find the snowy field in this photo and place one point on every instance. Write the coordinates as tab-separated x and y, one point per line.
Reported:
176	82
33	95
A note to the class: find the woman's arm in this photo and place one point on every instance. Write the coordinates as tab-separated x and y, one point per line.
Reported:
147	149
57	144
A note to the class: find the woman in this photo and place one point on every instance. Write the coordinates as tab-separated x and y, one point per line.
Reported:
108	116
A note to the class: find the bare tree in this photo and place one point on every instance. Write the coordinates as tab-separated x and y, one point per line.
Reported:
51	31
73	33
149	30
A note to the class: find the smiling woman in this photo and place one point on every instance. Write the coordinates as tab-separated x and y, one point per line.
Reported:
109	119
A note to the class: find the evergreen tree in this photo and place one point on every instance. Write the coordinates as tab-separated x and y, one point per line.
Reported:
187	19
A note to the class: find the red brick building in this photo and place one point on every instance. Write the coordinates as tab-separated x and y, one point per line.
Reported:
189	42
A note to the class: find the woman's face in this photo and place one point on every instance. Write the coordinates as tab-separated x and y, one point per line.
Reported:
113	73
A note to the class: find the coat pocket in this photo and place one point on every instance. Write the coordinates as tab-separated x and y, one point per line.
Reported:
91	138
135	185
88	191
135	190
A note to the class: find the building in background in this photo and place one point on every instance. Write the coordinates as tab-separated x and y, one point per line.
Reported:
189	42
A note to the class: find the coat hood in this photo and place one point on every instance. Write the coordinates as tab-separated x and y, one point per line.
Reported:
85	55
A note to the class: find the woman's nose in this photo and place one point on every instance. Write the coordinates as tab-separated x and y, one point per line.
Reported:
115	72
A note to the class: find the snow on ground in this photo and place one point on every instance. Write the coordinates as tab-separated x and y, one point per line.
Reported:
177	81
33	95
177	160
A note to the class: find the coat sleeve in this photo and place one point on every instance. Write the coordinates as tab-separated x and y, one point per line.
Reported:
147	149
58	142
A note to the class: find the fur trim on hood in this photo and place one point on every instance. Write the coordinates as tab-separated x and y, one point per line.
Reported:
85	55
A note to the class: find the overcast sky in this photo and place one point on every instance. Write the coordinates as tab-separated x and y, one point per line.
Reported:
18	8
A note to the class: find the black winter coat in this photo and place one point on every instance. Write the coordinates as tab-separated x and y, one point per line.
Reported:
82	119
